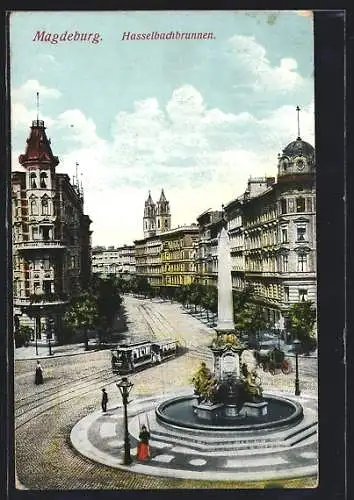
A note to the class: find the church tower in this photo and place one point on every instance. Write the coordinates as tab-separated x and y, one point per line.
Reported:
149	220
163	216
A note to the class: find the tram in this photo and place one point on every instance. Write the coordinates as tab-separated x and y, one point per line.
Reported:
128	358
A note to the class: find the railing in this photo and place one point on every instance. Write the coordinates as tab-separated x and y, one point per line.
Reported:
28	245
40	301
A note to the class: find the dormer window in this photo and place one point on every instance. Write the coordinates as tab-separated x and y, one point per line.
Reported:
43	180
285	164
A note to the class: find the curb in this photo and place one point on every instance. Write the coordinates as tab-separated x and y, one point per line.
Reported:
46	356
80	442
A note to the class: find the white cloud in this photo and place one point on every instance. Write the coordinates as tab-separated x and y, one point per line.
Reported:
21	116
201	156
251	62
27	92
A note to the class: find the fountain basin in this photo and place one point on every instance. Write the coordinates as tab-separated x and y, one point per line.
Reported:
179	412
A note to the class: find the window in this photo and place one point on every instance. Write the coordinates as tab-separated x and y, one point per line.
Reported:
309	204
284	235
43	180
300	204
37	288
33	180
45	232
166	223
301	231
283	206
286	294
302	295
291	205
46	262
35	233
302	263
47	288
285	263
45	207
158	223
34	207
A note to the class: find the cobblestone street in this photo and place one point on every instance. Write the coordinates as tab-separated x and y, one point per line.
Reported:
45	415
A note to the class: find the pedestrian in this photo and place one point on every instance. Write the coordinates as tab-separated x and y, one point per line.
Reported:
143	450
104	400
39	374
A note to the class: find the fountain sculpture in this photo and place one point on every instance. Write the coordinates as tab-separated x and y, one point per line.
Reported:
233	391
231	396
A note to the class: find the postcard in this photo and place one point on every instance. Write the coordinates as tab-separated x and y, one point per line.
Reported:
163	193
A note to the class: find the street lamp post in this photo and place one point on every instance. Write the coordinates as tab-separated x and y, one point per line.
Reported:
36	341
125	386
50	333
297	344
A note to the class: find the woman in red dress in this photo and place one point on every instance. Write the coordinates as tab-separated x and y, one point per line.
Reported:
143	450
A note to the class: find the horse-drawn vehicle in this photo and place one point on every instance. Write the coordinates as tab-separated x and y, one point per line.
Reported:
273	361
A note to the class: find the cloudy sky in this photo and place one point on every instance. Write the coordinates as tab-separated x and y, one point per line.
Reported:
195	117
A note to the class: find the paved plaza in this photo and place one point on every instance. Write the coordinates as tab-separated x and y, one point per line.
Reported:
289	454
45	416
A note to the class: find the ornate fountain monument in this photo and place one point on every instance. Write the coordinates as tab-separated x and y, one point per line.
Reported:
229	397
234	390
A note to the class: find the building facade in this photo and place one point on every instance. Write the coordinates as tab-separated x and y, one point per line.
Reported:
148	259
206	265
110	262
51	238
178	251
272	229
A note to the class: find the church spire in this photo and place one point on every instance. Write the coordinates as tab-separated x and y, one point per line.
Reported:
162	197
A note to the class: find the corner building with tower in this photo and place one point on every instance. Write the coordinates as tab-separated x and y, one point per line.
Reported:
51	239
272	229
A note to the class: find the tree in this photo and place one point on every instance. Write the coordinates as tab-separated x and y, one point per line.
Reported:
83	314
250	320
301	320
107	295
209	299
140	285
182	294
23	335
195	294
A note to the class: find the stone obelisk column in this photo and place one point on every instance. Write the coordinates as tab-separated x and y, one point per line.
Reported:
226	356
225	301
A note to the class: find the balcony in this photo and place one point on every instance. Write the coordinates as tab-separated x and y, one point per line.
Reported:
40	244
41	300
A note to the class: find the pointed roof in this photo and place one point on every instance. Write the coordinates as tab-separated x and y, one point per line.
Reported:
149	201
38	147
162	197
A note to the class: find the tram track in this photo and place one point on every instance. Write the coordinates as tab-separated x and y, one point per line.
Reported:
42	394
36	408
32	406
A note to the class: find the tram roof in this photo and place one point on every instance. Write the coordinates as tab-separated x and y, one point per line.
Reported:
132	344
164	341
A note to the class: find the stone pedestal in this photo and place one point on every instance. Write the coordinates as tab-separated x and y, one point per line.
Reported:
231	412
208	412
255	409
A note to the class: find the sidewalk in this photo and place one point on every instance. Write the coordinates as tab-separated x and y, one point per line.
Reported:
99	437
21	353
